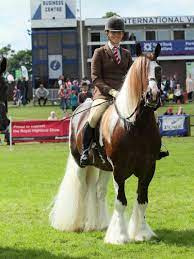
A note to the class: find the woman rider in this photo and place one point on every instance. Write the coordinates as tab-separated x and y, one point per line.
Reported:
110	63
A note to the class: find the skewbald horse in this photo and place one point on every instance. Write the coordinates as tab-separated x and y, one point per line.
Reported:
127	142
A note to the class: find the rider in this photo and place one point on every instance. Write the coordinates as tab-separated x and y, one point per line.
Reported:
110	64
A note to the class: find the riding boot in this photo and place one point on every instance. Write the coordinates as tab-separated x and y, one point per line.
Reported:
163	154
87	139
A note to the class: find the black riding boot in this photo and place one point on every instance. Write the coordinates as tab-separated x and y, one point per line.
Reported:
87	139
163	154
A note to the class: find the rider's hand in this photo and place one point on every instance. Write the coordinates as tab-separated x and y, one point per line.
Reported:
113	93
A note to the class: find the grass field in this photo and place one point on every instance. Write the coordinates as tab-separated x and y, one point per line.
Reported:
30	176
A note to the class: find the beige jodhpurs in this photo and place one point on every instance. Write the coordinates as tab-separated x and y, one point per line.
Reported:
96	112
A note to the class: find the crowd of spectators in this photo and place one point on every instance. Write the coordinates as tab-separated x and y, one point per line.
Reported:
173	91
169	111
72	93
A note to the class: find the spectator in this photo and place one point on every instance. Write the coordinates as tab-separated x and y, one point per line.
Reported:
17	96
169	111
24	91
42	94
87	81
189	87
170	95
52	116
84	94
62	96
180	111
74	100
132	37
178	94
75	86
61	80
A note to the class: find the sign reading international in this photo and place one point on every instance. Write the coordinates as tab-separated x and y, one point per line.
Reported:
53	9
159	20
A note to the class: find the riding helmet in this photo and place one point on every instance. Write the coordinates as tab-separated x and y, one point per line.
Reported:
115	23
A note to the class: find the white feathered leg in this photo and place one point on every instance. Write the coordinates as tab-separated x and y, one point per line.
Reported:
117	230
91	218
139	230
68	212
102	185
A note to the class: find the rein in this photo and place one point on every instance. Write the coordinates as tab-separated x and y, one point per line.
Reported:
87	109
120	116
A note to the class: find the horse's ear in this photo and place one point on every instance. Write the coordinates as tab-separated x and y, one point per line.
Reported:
157	51
3	65
138	49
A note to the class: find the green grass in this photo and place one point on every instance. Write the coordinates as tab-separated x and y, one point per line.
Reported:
31	174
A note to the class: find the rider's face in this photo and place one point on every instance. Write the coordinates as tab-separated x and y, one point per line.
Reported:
115	37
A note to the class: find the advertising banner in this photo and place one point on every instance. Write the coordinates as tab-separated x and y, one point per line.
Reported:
170	48
55	66
40	131
175	125
190	69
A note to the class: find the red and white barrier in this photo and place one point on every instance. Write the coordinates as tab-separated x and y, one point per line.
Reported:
39	131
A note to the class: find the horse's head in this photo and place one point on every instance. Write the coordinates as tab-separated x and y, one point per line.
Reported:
151	73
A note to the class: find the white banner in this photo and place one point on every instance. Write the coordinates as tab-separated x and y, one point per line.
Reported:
55	66
24	72
173	123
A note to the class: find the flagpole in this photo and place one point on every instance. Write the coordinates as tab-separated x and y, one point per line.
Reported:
81	42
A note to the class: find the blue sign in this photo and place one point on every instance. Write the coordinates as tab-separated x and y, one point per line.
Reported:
174	125
55	65
170	47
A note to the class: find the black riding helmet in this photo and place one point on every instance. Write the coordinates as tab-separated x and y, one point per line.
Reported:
115	23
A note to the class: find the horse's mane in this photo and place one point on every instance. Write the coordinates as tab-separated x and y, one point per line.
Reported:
135	85
137	78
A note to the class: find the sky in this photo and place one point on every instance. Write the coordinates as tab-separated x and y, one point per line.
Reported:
15	15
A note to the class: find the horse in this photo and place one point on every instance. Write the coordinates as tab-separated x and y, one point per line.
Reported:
4	121
127	142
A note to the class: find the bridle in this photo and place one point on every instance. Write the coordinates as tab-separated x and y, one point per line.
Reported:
145	99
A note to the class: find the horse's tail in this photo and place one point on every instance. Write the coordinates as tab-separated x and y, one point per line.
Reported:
69	206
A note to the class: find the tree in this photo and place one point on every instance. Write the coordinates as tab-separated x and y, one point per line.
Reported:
6	51
21	58
110	14
17	59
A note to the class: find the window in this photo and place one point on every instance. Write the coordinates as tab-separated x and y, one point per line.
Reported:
150	35
189	35
40	54
54	43
69	38
163	35
103	36
95	36
40	70
95	47
39	39
70	70
179	35
69	53
139	35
